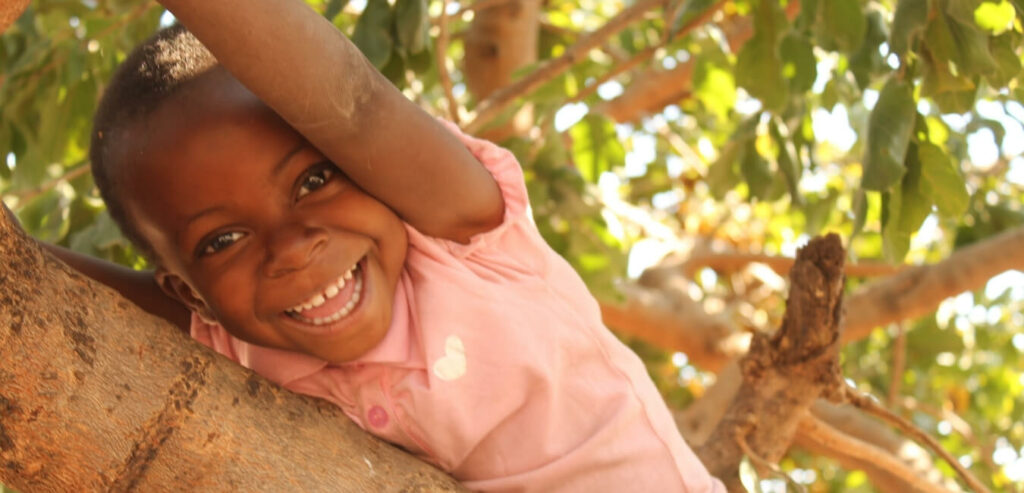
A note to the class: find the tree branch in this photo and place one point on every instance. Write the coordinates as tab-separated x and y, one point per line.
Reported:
883	468
491	107
96	395
649	51
919	290
868	404
442	63
784	374
662	313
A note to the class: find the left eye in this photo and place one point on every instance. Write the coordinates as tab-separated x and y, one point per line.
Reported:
315	179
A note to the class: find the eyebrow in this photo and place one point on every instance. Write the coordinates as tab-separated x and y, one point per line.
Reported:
276	170
287	157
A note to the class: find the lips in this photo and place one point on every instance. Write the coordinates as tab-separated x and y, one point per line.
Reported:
334	302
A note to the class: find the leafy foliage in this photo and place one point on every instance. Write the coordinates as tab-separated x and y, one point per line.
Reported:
894	122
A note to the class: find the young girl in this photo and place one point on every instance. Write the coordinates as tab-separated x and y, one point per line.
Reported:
328	234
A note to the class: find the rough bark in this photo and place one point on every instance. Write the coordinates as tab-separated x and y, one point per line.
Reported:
96	395
10	10
784	373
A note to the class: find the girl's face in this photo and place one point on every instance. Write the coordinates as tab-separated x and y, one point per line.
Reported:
256	229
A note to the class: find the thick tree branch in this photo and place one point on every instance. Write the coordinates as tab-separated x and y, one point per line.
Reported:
784	374
10	10
918	291
662	313
96	395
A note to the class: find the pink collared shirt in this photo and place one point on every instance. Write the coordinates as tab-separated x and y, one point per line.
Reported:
498	369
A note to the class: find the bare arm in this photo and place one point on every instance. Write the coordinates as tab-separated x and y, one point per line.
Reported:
319	82
139	287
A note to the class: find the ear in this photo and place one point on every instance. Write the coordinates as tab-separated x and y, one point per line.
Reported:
176	287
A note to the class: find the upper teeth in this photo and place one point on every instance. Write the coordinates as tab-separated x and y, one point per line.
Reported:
329	292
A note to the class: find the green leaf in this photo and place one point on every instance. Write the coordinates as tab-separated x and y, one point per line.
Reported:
956	101
889	128
908	24
759	71
942	181
103	234
756	171
926	339
373	33
841	24
787	162
691	10
412	24
714	87
334	7
996	18
596	146
1008	65
867	61
973	45
798	62
723	173
46	216
906	208
817	212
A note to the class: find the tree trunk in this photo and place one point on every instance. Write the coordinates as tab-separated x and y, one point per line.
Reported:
10	10
97	395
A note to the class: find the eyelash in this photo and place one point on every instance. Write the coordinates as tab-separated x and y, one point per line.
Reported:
218	242
315	178
323	173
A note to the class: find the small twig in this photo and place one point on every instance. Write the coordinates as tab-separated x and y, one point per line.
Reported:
868	404
646	53
824	435
442	63
959	425
76	171
491	107
760	461
899	364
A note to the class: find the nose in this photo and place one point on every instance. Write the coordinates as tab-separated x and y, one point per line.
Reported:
292	248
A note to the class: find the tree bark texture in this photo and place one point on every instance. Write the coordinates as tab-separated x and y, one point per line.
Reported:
96	395
784	373
10	10
501	40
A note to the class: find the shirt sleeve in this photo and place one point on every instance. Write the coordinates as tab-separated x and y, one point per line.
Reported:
514	242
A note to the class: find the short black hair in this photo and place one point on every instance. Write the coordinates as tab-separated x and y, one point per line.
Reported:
153	72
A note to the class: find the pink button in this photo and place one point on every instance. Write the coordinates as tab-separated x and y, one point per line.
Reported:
377	417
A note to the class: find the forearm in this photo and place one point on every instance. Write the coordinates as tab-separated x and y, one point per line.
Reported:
297	62
301	66
139	287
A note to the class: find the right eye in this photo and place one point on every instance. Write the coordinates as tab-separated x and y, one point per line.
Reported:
220	242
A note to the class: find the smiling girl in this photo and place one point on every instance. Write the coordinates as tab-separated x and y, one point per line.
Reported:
319	228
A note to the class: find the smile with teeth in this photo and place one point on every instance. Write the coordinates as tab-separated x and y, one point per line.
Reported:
311	311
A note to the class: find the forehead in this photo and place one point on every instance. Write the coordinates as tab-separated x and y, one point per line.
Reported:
201	147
